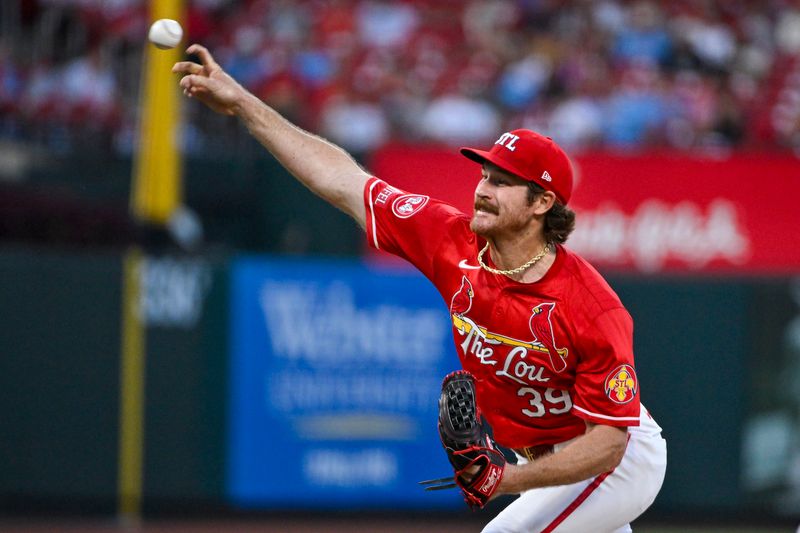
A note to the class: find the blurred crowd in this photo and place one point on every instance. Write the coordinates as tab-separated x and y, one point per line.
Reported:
612	74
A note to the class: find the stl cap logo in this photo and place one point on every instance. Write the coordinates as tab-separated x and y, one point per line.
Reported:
408	204
508	140
621	384
546	176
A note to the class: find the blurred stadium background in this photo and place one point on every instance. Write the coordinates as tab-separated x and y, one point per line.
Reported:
192	342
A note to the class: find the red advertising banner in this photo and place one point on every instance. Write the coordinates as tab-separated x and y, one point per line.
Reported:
649	213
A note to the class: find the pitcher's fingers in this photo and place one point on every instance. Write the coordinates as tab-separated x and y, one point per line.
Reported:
205	56
193	83
187	67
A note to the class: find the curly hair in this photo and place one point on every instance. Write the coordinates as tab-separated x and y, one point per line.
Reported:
558	222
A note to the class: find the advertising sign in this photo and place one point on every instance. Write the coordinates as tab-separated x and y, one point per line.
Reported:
335	378
670	213
648	213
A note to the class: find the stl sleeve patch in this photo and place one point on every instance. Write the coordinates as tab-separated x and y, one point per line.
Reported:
621	384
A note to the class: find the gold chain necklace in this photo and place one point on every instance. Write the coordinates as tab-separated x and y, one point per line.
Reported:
535	259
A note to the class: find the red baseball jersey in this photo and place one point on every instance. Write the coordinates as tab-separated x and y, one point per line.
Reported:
546	355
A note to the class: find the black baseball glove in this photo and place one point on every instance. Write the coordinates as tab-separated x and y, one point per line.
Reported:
478	464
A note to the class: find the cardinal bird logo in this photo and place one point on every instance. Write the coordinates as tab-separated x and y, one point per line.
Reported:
462	299
542	330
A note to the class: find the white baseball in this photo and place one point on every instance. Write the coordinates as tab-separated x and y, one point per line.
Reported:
165	33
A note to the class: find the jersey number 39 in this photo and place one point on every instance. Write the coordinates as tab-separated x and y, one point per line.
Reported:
555	401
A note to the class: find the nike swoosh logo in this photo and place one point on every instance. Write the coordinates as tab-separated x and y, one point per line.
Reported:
463	264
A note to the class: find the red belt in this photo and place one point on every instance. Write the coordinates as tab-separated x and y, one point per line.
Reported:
532	453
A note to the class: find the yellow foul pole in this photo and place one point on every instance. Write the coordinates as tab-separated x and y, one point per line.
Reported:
157	174
155	193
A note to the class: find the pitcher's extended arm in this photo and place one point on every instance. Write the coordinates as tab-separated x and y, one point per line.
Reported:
323	167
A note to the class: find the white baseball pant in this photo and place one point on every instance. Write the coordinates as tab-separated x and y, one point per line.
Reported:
605	504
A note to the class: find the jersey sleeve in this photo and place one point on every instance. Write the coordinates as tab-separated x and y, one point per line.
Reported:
606	387
411	226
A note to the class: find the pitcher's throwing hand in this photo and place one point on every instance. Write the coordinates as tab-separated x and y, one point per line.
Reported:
208	83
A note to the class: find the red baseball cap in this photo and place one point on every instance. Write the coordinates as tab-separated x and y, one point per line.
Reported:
532	157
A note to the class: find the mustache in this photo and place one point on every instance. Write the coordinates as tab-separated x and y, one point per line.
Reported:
483	205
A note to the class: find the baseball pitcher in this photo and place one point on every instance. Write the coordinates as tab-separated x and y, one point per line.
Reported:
545	344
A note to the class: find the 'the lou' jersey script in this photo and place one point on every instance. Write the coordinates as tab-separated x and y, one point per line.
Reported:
546	355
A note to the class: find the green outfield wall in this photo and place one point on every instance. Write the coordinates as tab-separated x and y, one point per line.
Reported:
60	377
715	357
